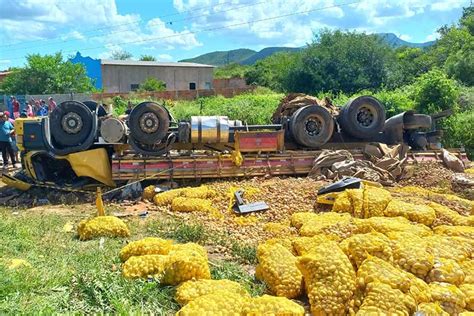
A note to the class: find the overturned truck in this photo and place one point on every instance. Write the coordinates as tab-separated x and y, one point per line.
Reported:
80	145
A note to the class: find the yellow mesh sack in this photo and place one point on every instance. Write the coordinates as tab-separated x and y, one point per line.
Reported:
329	279
356	196
191	290
277	268
417	213
277	229
446	270
304	245
201	192
381	299
468	290
462	231
217	303
467	267
448	247
271	305
362	203
343	203
446	216
334	224
149	193
188	262
397	224
184	204
145	266
375	201
359	246
466	313
449	296
431	309
298	219
146	246
410	252
102	226
285	242
165	198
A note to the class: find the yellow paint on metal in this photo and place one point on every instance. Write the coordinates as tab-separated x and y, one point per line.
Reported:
15	183
20	132
92	163
99	203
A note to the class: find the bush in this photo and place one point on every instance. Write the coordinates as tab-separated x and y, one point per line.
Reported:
395	101
152	84
434	92
460	132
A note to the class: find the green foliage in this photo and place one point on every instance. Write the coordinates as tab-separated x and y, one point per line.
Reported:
119	105
395	101
152	84
47	74
434	92
244	253
223	57
147	58
460	131
409	64
233	70
341	61
460	64
121	55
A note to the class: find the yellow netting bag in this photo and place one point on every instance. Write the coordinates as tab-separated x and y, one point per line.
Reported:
149	193
186	263
363	203
184	204
285	242
468	290
329	279
358	247
417	213
449	296
334	224
397	224
343	203
277	229
431	309
462	231
381	299
466	313
446	216
191	290
298	219
201	192
410	252
217	303
446	270
145	266
468	268
146	246
449	247
102	226
271	305
304	245
277	268
165	198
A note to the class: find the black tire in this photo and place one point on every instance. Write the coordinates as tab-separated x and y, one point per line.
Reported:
148	113
92	105
362	117
312	126
71	123
416	121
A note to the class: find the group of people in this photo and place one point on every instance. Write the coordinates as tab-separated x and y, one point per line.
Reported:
33	107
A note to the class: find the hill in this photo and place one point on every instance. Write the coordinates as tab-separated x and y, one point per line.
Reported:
246	56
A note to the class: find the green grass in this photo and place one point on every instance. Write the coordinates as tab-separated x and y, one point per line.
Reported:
72	276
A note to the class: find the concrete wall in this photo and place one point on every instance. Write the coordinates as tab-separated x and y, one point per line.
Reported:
119	78
236	83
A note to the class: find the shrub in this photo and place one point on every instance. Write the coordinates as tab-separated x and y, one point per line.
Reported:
152	84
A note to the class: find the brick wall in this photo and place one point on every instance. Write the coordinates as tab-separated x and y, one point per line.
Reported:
236	83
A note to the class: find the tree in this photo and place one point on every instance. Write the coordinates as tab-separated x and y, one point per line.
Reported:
341	61
121	55
152	84
410	63
47	74
147	58
233	70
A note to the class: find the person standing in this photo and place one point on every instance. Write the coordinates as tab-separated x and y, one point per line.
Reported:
43	109
14	146
52	104
15	106
6	131
29	109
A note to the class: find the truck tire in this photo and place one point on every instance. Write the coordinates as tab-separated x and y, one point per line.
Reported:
92	105
71	123
362	117
149	122
312	126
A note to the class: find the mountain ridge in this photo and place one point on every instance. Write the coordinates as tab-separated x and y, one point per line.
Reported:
245	56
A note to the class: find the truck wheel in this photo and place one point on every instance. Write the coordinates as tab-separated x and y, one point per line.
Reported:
312	126
362	117
71	123
92	105
149	122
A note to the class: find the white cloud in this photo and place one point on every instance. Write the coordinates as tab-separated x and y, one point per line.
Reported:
432	37
405	37
164	57
447	5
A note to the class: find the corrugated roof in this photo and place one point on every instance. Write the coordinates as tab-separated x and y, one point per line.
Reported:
152	63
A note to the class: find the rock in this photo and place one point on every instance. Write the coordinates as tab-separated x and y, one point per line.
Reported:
452	162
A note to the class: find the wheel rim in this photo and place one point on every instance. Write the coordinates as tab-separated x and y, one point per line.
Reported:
366	116
72	123
149	122
313	125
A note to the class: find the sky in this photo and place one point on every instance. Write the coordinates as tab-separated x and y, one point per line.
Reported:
172	30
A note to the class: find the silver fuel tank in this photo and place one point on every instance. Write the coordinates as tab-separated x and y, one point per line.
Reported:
211	129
